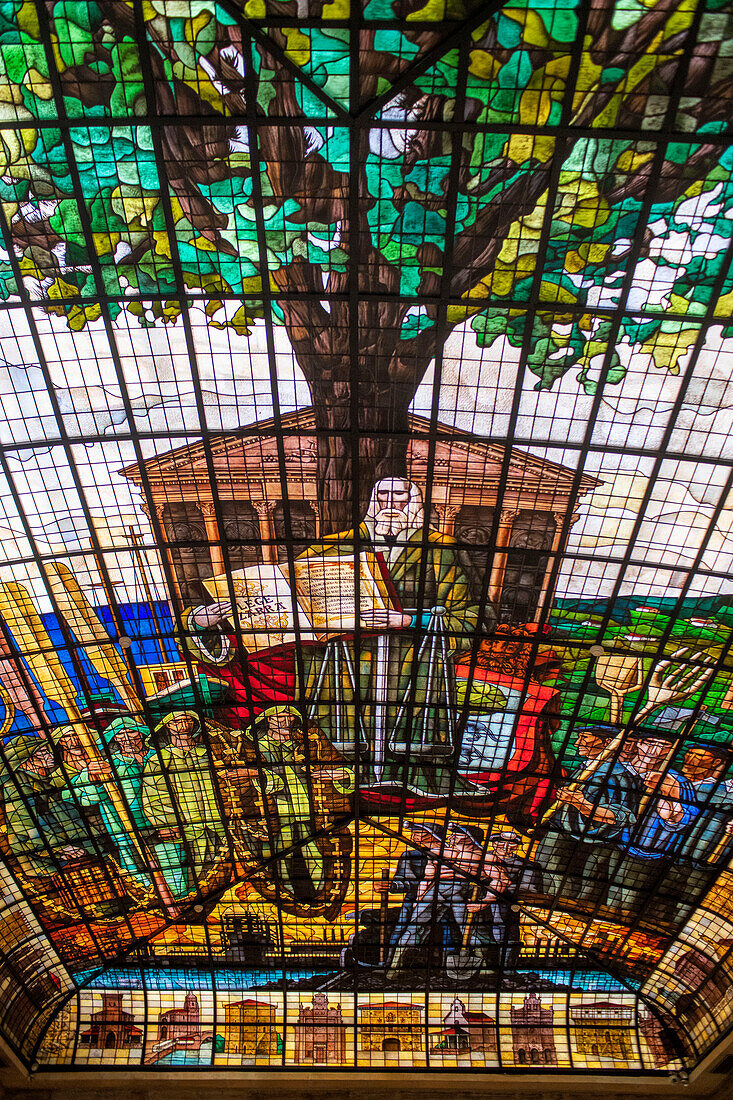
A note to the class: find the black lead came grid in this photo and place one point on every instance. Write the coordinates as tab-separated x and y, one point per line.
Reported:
365	617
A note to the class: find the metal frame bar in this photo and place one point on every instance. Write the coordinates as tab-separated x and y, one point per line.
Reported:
454	35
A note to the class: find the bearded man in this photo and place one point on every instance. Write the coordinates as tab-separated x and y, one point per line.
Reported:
404	704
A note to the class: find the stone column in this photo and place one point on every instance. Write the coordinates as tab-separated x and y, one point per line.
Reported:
498	565
448	514
159	510
265	509
208	511
556	548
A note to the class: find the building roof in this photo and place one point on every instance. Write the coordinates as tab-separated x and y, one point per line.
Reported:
244	457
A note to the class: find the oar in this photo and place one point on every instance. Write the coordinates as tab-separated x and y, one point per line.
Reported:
85	625
578	780
35	644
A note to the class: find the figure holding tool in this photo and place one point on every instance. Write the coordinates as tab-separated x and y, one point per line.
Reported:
40	654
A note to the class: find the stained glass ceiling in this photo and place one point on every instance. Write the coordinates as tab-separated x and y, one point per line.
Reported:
365	606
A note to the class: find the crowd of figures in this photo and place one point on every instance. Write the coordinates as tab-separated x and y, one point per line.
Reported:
635	831
196	796
269	789
631	837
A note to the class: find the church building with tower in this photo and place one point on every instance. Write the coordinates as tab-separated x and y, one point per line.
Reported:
533	1036
320	1032
181	1024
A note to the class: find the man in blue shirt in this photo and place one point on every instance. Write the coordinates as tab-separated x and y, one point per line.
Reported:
707	843
651	845
709	836
592	814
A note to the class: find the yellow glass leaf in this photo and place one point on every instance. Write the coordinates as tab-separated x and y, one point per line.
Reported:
630	161
667	347
337	9
520	147
203	243
483	65
40	85
298	45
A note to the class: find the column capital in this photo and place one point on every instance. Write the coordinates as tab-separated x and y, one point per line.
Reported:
208	509
158	508
264	508
508	515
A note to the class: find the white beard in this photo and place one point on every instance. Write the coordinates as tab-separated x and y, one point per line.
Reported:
390	521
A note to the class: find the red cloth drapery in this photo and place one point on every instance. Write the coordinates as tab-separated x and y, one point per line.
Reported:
522	787
258	682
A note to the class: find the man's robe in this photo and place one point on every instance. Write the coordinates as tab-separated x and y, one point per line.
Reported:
256	681
418	750
36	819
128	777
179	792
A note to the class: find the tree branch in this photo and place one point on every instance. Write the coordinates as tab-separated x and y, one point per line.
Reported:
477	248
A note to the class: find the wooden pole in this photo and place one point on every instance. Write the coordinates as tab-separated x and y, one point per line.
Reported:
577	781
383	908
469	920
116	621
133	536
683	733
111	601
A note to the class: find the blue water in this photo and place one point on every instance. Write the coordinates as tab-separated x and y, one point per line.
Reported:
188	1057
172	977
161	979
586	980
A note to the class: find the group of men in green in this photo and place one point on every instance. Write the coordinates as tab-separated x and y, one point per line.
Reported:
60	805
164	806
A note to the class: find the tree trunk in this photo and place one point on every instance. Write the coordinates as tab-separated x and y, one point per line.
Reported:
361	436
357	450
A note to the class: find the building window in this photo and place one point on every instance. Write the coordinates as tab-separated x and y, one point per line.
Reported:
527	563
474	526
242	533
185	532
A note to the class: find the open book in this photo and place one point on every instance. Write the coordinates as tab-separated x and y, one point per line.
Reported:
317	603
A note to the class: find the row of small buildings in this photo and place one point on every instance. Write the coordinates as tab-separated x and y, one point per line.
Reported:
250	1028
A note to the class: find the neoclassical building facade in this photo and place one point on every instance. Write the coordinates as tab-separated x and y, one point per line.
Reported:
516	534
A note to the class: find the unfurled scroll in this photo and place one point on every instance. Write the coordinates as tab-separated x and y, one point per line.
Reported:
317	602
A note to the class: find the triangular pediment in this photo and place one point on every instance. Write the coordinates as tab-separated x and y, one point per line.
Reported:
452	454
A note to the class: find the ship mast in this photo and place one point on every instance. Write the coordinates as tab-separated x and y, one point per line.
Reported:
135	538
